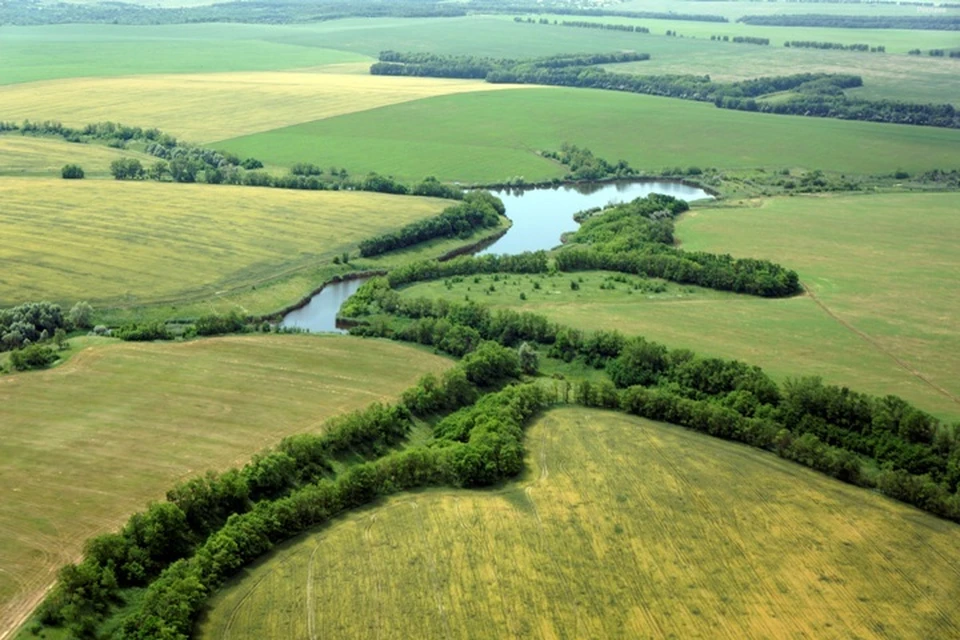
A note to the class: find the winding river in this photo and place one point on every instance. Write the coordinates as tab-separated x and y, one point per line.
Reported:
540	216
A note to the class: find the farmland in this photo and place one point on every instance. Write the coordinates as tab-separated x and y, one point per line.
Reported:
619	528
157	241
884	327
89	442
480	502
207	107
25	156
649	132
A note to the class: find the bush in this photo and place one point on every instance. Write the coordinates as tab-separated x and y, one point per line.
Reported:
35	356
81	315
72	172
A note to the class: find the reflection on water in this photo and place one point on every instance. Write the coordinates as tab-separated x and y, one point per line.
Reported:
320	314
540	216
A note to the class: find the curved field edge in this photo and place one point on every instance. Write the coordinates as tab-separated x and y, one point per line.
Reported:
131	243
649	132
91	441
620	527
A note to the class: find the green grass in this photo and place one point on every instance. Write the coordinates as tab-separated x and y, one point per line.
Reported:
871	263
733	9
620	528
492	136
91	441
128	243
73	51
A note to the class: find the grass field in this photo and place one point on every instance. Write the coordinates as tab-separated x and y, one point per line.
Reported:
91	441
76	51
885	327
127	243
26	156
620	528
212	106
467	144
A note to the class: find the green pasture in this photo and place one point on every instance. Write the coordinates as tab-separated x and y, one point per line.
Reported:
619	528
93	440
490	137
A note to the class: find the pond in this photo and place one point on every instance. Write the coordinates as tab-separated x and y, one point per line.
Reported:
540	216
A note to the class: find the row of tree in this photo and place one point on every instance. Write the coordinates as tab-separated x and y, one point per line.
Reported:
583	165
583	24
819	95
940	23
827	427
813	44
479	210
210	526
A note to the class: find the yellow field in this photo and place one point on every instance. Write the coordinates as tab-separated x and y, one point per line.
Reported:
215	106
111	241
26	156
88	443
622	528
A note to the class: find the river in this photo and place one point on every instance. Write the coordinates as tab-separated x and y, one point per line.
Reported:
540	216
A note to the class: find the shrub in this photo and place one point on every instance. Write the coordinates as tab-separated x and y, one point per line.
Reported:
72	172
35	356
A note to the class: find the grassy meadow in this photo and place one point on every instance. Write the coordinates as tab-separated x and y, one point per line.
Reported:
45	157
620	528
467	144
885	327
127	243
212	106
91	441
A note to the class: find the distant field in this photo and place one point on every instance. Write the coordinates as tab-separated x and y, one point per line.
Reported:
467	143
88	443
866	257
76	51
620	528
733	9
113	242
212	106
26	156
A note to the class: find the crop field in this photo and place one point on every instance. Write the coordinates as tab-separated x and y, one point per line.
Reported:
112	242
879	322
620	528
212	106
88	443
650	132
27	156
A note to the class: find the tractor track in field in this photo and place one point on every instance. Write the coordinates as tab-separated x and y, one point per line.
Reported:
880	348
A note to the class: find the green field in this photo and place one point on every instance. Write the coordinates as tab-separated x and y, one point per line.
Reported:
872	266
126	243
88	443
466	143
620	528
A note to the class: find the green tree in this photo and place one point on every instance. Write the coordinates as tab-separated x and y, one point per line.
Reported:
81	315
126	169
72	172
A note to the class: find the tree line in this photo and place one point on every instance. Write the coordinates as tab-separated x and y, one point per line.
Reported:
583	24
830	428
583	165
479	210
819	95
813	44
940	23
208	527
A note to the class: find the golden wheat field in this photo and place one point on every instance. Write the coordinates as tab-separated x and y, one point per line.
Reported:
27	156
620	528
137	242
214	106
88	443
